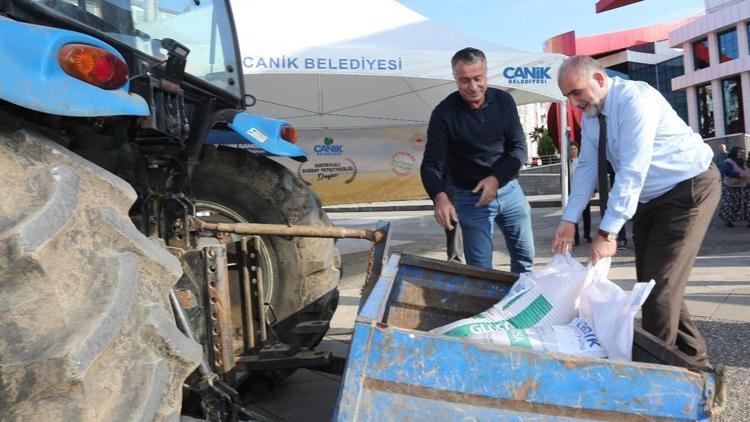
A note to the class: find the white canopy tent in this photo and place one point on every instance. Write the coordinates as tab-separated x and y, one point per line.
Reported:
362	64
367	63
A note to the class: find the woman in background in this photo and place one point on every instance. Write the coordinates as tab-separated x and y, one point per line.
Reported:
735	194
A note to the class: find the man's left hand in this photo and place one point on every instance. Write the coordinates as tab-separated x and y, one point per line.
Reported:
488	186
602	248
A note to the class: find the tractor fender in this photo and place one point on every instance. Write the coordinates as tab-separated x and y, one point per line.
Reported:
262	132
32	76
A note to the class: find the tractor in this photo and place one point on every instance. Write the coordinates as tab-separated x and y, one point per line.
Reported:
154	259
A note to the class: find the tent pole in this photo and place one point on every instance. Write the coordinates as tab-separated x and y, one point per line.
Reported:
564	147
320	94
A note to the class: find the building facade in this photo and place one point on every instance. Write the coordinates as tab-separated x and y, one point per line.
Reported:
532	116
642	54
654	63
716	59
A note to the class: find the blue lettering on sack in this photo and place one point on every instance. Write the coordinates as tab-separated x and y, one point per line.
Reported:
588	333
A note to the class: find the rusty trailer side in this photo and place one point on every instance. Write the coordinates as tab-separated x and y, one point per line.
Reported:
398	371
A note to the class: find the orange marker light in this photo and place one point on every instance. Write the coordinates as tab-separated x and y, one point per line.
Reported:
93	65
289	133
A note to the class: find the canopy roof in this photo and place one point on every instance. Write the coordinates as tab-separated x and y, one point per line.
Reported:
367	63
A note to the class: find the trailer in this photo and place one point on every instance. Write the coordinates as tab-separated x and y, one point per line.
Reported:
397	370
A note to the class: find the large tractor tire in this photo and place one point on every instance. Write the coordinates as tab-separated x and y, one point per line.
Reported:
302	274
86	328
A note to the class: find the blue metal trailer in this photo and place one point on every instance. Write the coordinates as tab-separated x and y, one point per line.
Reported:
398	371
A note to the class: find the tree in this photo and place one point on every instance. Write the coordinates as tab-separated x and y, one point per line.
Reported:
546	147
537	133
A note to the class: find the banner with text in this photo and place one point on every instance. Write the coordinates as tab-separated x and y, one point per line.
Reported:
362	165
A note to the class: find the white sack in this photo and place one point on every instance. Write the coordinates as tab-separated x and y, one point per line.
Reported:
577	338
543	297
612	309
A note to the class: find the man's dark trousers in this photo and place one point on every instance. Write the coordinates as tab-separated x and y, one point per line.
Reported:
668	232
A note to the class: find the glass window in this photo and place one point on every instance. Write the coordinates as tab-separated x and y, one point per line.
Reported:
705	111
728	49
642	72
734	121
665	72
700	54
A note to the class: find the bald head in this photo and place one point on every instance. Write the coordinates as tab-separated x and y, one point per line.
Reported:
583	65
584	81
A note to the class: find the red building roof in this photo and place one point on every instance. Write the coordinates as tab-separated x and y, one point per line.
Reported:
567	43
604	5
613	41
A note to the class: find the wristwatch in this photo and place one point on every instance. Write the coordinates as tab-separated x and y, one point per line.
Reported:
611	237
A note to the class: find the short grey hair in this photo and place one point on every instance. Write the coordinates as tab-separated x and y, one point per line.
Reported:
469	55
586	65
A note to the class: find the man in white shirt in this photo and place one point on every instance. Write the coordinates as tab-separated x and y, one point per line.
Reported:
666	182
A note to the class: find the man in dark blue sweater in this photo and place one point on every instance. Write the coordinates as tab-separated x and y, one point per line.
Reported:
475	138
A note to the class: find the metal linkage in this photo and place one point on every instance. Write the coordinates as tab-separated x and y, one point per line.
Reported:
219	311
282	230
218	397
246	295
252	295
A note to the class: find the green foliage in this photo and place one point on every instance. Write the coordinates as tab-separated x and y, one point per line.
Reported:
546	147
537	133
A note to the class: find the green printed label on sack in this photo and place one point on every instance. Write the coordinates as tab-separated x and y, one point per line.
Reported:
528	317
477	328
519	338
531	314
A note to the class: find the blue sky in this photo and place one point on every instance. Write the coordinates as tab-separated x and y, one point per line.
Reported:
526	24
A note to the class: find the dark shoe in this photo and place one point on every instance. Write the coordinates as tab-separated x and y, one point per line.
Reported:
728	223
588	238
622	245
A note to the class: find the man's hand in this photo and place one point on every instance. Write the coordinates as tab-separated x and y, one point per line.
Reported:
488	186
601	248
564	234
445	212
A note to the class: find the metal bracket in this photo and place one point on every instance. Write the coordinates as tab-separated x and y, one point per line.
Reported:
219	316
254	322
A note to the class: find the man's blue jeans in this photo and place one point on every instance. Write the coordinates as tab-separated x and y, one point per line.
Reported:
511	212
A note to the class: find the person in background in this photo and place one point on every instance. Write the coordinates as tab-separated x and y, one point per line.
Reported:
721	155
666	182
587	210
735	193
475	136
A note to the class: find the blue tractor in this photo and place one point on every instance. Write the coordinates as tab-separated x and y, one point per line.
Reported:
127	290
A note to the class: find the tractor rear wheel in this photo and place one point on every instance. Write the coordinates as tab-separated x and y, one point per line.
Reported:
300	274
86	329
